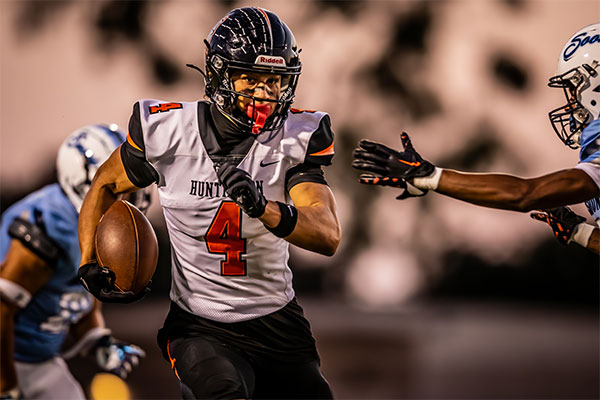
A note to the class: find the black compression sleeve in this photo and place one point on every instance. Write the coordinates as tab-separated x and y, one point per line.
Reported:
305	172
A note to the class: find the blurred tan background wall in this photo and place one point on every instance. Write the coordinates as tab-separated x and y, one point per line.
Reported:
466	79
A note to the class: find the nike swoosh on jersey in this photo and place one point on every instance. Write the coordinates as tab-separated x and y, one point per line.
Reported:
264	164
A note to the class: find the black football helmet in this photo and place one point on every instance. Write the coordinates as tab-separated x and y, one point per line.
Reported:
251	39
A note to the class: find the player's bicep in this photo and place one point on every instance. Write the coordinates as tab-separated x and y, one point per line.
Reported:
112	174
22	274
560	188
311	194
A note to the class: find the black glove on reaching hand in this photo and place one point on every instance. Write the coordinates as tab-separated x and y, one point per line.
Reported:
409	190
379	159
242	190
562	221
100	281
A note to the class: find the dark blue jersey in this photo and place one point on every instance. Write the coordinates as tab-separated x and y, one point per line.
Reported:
41	327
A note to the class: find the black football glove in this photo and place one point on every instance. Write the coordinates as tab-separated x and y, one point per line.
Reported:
562	221
379	159
409	190
100	281
117	357
242	190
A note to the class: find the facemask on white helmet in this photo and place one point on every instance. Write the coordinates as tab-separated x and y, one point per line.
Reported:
578	74
80	155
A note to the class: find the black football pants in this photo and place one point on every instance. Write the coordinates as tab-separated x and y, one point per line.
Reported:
208	369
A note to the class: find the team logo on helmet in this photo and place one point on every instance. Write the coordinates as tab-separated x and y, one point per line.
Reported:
579	41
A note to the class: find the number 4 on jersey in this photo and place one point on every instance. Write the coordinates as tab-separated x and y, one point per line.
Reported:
164	107
223	237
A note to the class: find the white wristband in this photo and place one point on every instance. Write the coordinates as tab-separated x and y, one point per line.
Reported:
14	293
581	234
429	182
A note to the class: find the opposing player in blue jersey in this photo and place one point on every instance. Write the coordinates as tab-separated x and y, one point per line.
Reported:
577	124
45	313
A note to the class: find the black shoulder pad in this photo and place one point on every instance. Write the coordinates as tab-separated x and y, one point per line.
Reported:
135	138
35	239
133	153
320	147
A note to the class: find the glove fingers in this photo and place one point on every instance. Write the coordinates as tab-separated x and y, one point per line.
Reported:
369	167
406	143
370	156
539	216
368	179
374	147
228	172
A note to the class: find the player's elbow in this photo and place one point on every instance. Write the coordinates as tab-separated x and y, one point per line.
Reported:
332	242
524	198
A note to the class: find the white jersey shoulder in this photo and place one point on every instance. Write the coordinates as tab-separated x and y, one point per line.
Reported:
297	132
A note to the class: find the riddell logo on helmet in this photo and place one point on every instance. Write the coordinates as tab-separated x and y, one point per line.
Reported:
270	60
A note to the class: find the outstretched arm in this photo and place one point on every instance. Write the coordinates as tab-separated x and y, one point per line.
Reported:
509	192
490	190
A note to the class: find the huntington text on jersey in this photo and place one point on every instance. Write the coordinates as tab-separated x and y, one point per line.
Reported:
213	189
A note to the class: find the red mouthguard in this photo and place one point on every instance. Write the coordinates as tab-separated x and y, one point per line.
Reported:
258	114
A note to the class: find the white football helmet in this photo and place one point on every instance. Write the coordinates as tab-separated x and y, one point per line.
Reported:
578	74
80	155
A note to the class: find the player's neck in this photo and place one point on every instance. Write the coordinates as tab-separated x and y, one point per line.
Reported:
228	132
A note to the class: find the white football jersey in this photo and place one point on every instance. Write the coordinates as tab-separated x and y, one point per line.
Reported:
226	266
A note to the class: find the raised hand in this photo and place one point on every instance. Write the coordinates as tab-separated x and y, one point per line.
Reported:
379	159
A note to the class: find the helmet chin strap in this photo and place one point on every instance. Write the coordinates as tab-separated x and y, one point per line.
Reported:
258	113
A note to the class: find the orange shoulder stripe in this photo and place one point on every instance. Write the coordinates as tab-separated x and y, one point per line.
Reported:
131	142
325	152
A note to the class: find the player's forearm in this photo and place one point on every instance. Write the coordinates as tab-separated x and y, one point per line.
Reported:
8	375
489	190
317	228
513	193
98	199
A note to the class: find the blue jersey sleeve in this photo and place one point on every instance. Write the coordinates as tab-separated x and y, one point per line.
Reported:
590	143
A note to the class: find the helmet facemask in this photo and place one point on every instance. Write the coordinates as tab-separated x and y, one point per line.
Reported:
220	89
570	119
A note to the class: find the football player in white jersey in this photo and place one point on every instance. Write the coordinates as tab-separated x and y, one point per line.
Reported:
239	177
45	314
577	124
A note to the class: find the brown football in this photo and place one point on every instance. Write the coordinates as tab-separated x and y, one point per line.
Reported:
126	244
